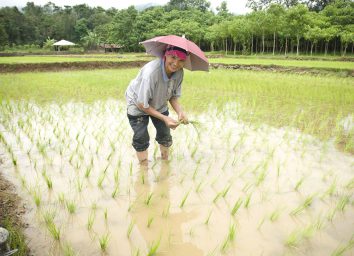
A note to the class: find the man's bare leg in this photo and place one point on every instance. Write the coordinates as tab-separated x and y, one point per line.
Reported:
164	152
142	157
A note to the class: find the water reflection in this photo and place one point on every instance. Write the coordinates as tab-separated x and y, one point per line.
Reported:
155	219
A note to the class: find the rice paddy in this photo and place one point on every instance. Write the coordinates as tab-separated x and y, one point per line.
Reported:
232	186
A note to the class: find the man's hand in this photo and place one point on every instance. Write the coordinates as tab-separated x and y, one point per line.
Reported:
170	122
182	118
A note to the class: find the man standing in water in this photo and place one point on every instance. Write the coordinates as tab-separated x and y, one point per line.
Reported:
157	83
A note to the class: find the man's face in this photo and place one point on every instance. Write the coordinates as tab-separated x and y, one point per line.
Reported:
173	64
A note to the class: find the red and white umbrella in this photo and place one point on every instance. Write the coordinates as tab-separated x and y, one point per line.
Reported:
196	59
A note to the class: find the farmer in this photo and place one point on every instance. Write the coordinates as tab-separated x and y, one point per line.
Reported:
157	83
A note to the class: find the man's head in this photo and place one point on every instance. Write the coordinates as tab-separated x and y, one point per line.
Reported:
174	58
176	51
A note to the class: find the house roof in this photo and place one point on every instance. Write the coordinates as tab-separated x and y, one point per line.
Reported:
63	42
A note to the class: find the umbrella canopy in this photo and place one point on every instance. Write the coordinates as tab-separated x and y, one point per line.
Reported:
63	43
196	59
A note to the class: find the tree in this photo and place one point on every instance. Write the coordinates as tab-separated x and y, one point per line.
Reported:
211	35
314	32
318	5
81	29
296	20
328	34
90	41
260	22
48	44
123	29
13	22
223	11
3	36
346	38
275	18
340	12
257	5
240	33
201	5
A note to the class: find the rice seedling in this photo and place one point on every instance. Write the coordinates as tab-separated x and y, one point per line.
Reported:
199	187
88	171
115	191
350	184
247	200
226	190
331	190
136	252
195	172
153	247
224	245
149	222
70	206
342	249
236	206
79	184
261	176
331	214
297	236
116	176
105	214
53	230
247	186
148	198
260	224
90	220
68	250
94	206
206	222
184	199
130	228
49	216
299	183
342	203
194	150
100	180
61	198
274	215
218	195
166	211
304	205
103	241
37	197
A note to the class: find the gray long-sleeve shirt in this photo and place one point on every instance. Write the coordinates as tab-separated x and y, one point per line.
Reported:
152	88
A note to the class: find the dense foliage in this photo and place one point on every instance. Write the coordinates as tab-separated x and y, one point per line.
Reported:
311	26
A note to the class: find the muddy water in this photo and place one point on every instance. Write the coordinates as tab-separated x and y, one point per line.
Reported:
228	189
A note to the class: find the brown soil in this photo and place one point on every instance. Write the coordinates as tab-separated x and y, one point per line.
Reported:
89	65
62	66
296	70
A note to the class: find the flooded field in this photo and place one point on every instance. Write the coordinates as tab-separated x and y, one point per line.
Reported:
230	188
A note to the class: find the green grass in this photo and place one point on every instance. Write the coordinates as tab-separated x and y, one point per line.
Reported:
313	104
17	238
86	86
